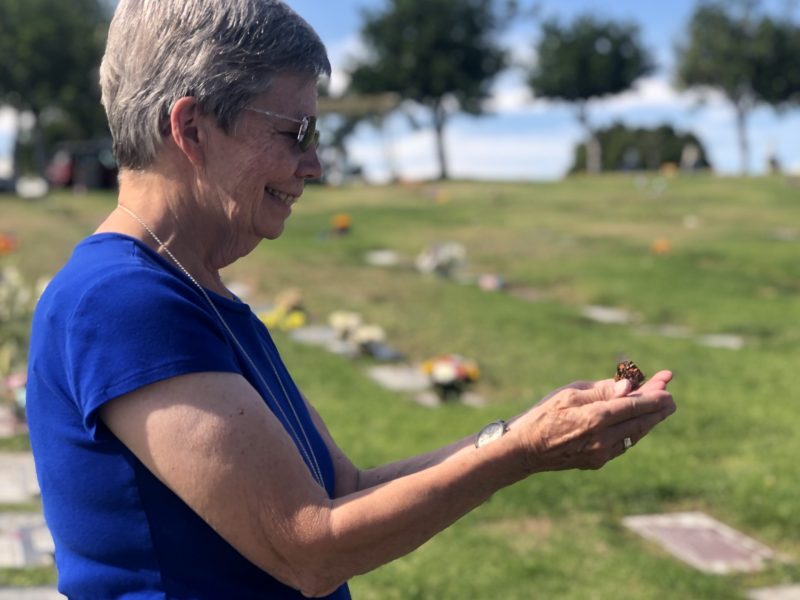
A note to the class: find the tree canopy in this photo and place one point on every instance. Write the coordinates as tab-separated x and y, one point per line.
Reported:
750	57
50	51
777	81
588	59
585	60
437	53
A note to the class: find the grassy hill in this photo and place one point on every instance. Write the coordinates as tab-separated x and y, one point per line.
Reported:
684	258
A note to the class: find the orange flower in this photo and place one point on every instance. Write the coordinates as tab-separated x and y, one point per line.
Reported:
8	244
661	246
341	223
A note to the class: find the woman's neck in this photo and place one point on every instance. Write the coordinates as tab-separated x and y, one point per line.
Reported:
172	225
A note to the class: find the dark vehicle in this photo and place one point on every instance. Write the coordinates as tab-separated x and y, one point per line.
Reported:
83	165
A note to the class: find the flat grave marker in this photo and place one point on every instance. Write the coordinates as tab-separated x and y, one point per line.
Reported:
25	541
780	592
702	542
18	482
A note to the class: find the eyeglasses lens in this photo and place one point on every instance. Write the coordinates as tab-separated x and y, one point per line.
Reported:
308	134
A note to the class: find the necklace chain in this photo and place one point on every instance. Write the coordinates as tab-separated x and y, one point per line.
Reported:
308	454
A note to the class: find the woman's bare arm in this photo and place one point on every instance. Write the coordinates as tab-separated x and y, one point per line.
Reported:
211	439
350	479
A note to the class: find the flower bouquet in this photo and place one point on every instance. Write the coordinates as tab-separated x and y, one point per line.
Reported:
288	312
451	375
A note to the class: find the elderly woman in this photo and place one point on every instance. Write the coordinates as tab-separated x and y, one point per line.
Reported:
176	456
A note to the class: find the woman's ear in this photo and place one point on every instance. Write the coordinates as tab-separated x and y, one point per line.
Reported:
187	129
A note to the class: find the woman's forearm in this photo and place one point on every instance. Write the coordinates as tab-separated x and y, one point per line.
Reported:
369	478
382	522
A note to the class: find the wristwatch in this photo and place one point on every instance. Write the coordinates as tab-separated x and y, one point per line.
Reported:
493	431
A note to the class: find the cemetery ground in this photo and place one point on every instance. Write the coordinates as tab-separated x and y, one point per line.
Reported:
703	275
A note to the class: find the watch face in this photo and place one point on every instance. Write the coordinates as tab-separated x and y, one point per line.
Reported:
490	433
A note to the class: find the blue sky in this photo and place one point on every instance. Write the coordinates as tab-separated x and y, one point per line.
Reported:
528	138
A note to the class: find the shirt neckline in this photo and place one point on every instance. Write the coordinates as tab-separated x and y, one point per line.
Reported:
236	303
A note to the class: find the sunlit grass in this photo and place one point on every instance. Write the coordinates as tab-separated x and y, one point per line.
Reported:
730	267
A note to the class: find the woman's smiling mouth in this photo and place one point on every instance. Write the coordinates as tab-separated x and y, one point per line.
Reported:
287	199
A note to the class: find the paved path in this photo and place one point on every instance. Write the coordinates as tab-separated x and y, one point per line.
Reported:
781	592
24	538
17	478
30	594
24	541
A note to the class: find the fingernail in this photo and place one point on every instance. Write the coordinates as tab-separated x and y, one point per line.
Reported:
621	387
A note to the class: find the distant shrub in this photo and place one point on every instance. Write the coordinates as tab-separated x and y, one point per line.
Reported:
642	149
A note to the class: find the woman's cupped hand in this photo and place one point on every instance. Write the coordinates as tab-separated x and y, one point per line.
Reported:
584	425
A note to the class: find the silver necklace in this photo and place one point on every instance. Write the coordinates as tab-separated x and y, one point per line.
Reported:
309	455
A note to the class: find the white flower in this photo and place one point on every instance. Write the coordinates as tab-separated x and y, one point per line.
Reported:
444	372
368	334
344	322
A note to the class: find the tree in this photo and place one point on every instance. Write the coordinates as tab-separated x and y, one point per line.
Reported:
50	51
586	60
442	54
777	80
750	58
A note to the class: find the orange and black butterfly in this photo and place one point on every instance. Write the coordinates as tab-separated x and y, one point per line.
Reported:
627	369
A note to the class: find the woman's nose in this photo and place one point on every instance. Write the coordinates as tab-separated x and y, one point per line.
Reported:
310	166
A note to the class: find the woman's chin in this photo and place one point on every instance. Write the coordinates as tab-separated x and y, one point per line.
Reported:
272	229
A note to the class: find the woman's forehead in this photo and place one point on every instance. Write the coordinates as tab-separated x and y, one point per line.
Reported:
295	95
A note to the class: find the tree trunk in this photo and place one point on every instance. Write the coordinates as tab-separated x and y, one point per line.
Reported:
594	152
439	119
388	151
39	150
15	159
741	128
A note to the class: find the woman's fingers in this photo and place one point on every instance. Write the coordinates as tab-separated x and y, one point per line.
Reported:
612	440
618	410
575	385
585	426
586	392
600	391
609	443
658	381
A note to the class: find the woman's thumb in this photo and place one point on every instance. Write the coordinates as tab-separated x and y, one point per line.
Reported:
610	389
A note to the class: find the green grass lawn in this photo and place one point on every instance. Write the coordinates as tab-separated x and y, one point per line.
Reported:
732	268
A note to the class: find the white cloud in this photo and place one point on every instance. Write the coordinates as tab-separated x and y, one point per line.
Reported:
8	119
342	54
8	123
512	155
409	155
511	96
651	92
338	82
471	154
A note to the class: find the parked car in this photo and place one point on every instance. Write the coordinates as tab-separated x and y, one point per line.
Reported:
82	165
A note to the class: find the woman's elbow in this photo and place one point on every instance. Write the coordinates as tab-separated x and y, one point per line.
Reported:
314	564
315	578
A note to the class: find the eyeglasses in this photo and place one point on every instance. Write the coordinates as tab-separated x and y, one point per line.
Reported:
306	135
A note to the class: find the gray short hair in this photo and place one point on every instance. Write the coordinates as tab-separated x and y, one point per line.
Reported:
222	52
